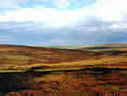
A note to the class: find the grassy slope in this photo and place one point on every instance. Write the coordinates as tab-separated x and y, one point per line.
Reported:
24	58
19	58
61	83
106	47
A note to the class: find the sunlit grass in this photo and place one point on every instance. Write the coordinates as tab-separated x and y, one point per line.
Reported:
19	59
105	61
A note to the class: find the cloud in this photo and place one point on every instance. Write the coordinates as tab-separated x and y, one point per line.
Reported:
11	3
62	3
56	3
105	10
111	10
48	16
33	34
102	22
53	3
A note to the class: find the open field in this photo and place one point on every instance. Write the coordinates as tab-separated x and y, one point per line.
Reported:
81	71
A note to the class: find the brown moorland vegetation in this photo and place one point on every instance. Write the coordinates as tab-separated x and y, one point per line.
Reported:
41	71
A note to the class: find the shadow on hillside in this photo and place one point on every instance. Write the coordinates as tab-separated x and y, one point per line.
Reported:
12	82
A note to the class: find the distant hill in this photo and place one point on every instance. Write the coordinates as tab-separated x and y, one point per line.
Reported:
14	56
101	46
27	58
106	47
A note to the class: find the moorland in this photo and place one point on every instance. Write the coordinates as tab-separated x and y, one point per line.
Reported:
99	70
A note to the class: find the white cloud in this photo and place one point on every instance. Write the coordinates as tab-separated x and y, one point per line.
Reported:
11	3
62	3
111	10
120	25
105	10
47	16
16	3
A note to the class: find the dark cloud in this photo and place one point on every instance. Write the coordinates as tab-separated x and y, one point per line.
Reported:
29	33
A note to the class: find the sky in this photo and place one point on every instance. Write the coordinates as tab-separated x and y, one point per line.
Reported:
63	22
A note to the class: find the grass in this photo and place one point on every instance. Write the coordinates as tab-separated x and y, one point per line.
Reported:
104	62
52	77
23	58
14	59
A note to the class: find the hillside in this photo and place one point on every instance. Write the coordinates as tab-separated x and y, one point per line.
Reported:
18	58
41	71
106	47
27	58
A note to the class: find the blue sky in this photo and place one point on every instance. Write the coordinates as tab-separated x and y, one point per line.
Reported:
62	22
